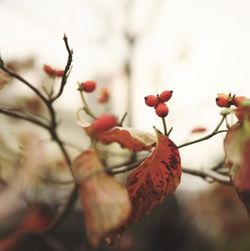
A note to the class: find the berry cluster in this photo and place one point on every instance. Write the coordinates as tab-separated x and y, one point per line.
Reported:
52	72
226	100
158	102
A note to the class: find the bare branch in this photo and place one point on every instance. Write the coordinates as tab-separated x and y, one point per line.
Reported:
21	79
66	70
208	175
21	116
51	127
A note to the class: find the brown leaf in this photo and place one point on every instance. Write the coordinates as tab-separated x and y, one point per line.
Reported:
129	138
154	179
105	201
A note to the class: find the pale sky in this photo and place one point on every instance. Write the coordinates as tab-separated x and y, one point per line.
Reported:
197	48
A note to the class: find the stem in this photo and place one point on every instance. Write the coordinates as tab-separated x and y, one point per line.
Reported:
86	108
208	173
164	126
123	118
125	168
213	133
170	130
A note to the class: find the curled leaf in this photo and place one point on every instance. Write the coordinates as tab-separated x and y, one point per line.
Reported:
105	201
154	179
129	138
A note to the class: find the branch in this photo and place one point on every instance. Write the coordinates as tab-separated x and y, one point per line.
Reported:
123	168
21	79
208	175
51	128
17	115
66	70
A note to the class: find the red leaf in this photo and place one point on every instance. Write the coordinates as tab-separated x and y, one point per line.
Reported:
105	202
154	179
129	138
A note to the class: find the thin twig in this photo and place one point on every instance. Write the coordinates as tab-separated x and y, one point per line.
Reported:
125	169
64	213
86	107
20	116
213	133
208	173
21	79
66	70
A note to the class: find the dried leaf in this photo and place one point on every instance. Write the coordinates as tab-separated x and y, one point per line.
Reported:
130	138
105	201
154	179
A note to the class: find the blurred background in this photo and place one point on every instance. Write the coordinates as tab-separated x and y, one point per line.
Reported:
197	48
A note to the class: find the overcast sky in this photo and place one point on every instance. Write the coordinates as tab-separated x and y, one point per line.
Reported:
195	47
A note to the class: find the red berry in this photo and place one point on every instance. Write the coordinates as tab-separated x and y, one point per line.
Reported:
237	100
104	123
87	86
59	73
104	96
151	100
161	110
49	70
165	96
223	100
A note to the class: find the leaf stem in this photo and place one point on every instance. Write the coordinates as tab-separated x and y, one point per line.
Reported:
213	133
164	126
86	107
